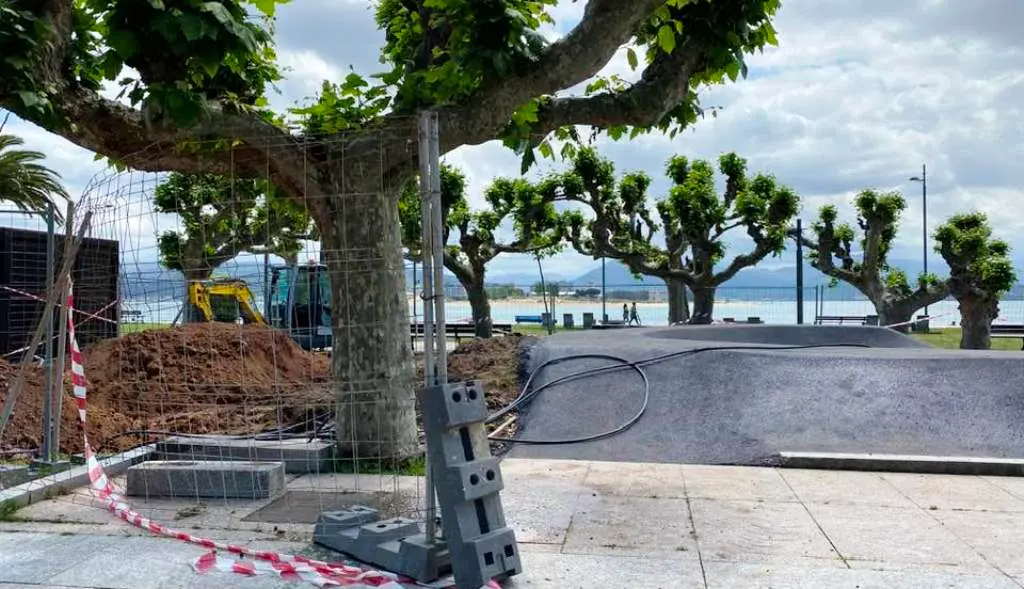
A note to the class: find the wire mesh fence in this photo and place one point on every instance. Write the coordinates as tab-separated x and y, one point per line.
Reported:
223	362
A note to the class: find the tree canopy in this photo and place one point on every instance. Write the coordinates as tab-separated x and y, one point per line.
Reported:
833	254
692	219
24	181
222	217
980	272
512	204
204	67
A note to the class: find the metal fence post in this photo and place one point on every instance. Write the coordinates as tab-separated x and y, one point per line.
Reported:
799	272
47	452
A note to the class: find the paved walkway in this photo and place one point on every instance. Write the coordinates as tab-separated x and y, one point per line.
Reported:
590	524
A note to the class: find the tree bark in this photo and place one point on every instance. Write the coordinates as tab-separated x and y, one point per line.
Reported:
373	373
480	304
894	314
678	306
703	305
976	315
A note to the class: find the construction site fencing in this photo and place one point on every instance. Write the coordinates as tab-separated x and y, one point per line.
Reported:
217	396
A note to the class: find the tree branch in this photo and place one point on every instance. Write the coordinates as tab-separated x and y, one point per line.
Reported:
606	25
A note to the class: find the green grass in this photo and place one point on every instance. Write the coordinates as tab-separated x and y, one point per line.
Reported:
127	328
8	509
949	337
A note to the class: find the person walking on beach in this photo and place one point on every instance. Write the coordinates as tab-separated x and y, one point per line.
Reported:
633	315
625	313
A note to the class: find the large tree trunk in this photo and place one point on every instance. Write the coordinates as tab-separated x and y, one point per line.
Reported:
895	314
703	305
373	373
678	306
976	315
480	305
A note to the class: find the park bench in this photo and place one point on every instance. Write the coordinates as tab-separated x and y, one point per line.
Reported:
460	331
841	319
1008	332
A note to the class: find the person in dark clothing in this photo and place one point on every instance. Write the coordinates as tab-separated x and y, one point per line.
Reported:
633	315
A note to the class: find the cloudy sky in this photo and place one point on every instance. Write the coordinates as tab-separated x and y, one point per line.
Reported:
858	94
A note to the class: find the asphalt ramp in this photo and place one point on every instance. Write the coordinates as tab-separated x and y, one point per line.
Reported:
740	394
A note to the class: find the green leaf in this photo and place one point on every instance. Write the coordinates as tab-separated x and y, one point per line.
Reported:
733	70
123	42
631	56
267	7
191	25
666	39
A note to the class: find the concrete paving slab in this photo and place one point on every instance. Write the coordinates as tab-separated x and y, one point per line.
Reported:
844	487
752	532
633	526
911	463
576	571
1012	485
954	492
533	472
152	562
622	479
542	517
734	482
747	576
885	537
729	575
37	558
997	537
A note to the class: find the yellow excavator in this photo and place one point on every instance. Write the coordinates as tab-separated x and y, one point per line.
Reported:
224	300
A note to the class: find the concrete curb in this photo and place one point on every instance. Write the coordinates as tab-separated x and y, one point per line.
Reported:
963	465
55	484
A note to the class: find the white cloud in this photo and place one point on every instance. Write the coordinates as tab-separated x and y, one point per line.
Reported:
859	94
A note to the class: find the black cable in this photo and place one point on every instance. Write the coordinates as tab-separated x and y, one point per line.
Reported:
526	395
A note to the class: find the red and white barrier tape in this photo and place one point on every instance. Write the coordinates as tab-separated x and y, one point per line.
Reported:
262	562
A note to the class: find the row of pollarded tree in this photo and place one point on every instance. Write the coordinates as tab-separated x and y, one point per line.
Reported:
681	238
980	268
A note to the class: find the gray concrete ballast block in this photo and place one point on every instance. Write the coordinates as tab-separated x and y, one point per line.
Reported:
298	455
207	479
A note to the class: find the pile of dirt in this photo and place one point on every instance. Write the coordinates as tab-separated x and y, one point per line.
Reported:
214	378
202	378
494	362
206	378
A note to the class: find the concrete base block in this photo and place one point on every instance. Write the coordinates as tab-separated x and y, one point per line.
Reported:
11	475
298	455
396	545
206	479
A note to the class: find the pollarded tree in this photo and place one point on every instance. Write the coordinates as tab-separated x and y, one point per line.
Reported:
694	219
886	287
534	224
980	271
223	217
200	69
24	181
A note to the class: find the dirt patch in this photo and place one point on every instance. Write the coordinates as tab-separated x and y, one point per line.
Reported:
214	378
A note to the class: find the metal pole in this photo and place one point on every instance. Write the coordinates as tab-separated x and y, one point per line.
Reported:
426	250
924	223
799	272
47	452
437	237
58	385
414	314
604	298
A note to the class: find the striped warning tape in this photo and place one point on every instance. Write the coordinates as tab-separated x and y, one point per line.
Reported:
261	562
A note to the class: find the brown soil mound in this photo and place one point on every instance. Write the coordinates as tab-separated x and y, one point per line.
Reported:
213	378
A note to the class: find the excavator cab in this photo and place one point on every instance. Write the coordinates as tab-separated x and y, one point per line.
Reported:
299	301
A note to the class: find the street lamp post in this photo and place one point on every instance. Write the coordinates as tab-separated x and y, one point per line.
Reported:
923	179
